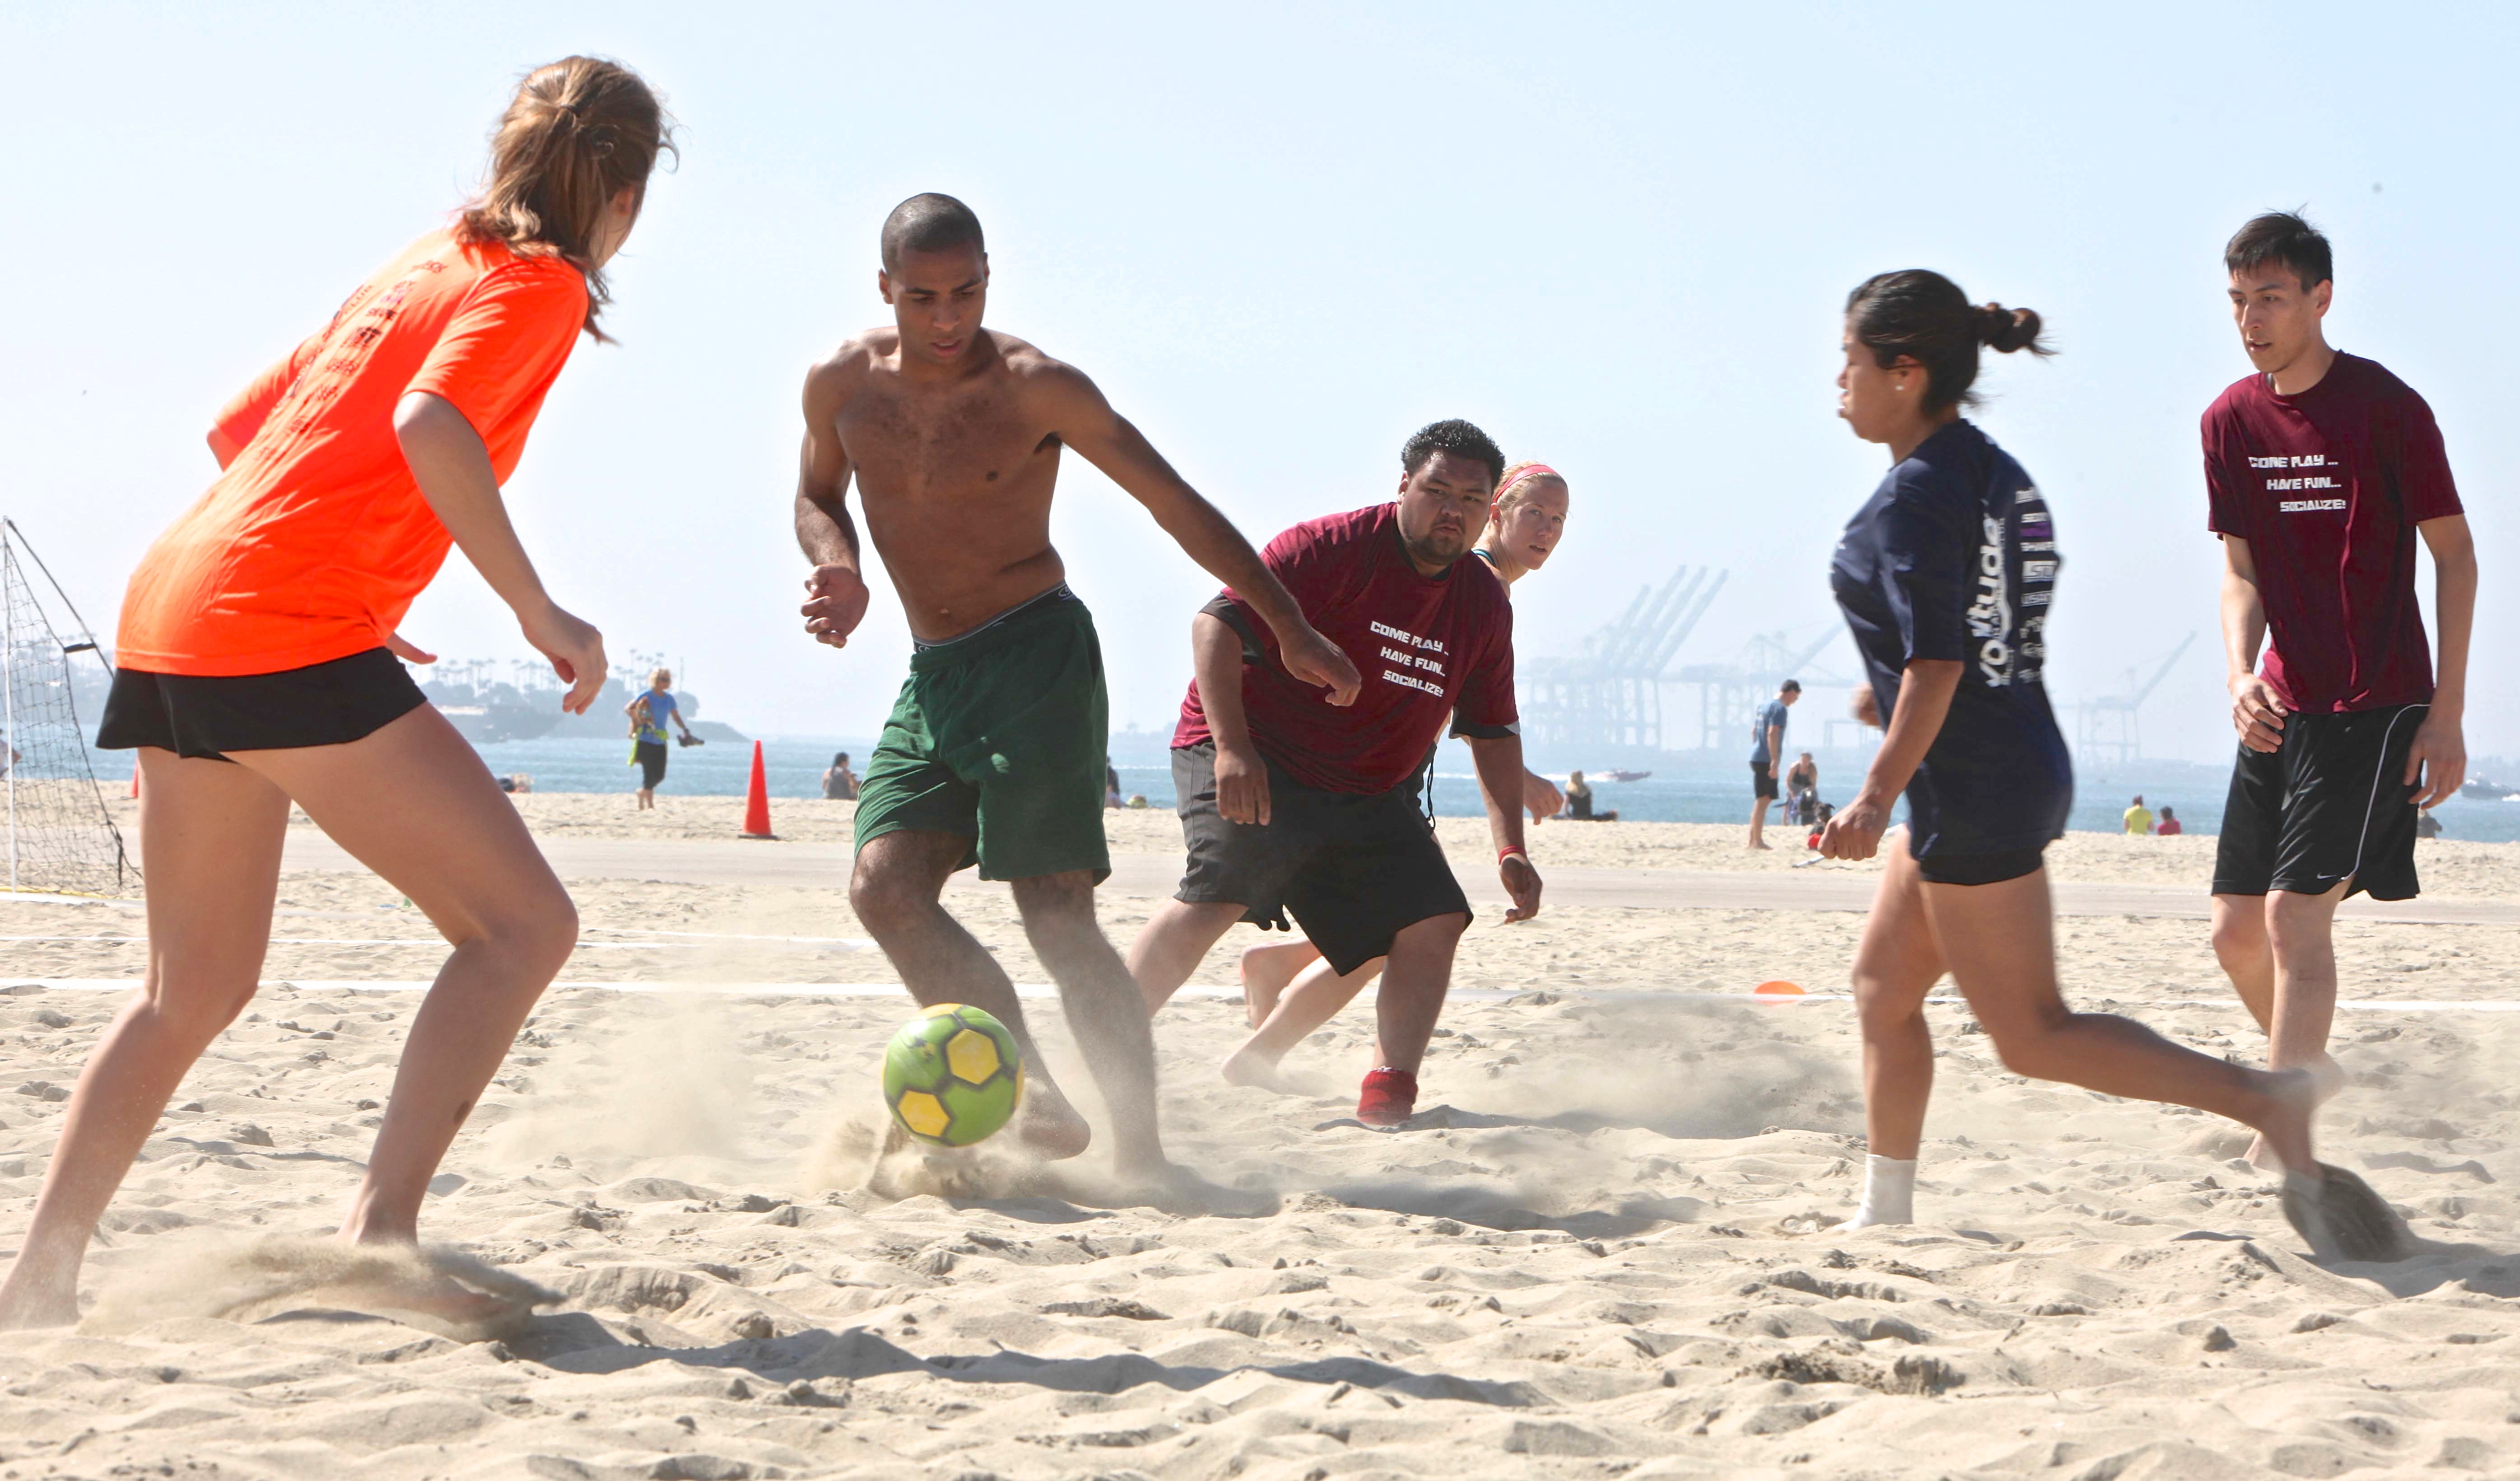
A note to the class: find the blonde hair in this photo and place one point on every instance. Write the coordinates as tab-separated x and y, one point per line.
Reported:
578	132
1510	486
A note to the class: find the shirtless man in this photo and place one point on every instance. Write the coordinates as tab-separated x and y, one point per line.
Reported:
994	751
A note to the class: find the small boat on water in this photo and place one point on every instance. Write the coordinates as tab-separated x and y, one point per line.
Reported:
1625	776
2478	789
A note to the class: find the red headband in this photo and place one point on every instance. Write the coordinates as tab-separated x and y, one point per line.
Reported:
1528	471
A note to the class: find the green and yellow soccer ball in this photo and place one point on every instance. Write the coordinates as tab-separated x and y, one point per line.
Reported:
953	1076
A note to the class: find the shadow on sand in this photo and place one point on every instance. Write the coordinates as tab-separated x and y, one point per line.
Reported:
576	1342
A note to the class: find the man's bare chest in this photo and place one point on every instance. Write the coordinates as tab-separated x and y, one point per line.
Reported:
922	449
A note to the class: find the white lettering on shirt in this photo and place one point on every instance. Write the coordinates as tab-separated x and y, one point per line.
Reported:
2290	460
2305	506
1385	629
1990	617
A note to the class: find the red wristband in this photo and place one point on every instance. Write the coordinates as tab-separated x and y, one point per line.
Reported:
1510	850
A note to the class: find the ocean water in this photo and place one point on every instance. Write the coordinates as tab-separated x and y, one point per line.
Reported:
1686	788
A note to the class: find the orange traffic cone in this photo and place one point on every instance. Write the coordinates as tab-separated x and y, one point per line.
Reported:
756	800
135	778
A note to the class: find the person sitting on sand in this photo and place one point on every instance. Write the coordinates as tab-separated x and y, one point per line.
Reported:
2138	818
1579	801
1287	991
1949	612
1802	792
2168	827
1292	806
257	668
994	753
839	784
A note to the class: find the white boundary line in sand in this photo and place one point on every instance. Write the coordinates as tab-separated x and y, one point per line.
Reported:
1046	990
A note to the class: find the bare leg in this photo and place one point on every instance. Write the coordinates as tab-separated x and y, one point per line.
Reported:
1313	1000
2244	941
1267	969
2000	942
1758	824
1175	941
413	802
2301	931
1896	965
2240	945
1414	979
209	837
1105	1011
895	890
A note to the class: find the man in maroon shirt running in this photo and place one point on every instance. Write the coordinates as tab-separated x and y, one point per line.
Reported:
2323	468
1294	806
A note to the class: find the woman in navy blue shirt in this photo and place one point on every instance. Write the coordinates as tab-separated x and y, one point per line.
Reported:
1944	577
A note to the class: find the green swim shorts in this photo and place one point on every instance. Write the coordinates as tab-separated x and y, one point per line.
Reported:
1000	735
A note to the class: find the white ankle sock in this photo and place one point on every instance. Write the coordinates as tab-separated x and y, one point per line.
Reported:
1889	1193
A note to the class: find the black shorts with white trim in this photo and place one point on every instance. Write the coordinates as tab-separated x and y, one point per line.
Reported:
2329	803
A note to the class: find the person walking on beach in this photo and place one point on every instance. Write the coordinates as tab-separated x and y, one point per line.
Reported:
994	753
2138	818
1766	743
2323	474
1293	807
648	714
839	784
1287	991
1944	577
257	668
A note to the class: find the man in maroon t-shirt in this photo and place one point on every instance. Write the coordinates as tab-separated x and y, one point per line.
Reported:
2324	470
1292	805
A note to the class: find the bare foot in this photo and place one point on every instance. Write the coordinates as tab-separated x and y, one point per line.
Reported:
1266	970
2326	1078
1249	1066
1761	848
468	1298
1048	1124
1175	1189
39	1297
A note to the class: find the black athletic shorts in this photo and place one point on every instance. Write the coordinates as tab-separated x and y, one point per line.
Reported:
1353	868
328	704
1762	782
652	764
1979	868
2329	803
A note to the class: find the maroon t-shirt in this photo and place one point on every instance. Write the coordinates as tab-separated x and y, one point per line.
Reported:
1425	647
2327	487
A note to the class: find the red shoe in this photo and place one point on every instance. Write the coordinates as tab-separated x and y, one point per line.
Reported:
1388	1099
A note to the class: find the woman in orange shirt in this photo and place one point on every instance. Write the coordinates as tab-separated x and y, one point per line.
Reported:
257	667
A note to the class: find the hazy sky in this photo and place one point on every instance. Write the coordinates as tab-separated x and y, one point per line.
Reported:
1280	237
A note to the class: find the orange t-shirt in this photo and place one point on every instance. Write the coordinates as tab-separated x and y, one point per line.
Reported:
313	543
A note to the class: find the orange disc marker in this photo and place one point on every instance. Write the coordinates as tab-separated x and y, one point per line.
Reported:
1777	989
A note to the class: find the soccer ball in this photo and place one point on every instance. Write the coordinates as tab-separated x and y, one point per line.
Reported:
953	1076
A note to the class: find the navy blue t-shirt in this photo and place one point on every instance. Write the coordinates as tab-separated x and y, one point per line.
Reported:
1955	558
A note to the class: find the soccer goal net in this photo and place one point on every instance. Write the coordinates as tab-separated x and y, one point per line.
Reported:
61	836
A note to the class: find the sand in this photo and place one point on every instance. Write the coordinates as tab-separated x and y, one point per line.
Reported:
1599	1252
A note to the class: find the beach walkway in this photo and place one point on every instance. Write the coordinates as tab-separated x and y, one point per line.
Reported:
1154	876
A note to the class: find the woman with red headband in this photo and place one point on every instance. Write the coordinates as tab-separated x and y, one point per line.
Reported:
258	669
1287	990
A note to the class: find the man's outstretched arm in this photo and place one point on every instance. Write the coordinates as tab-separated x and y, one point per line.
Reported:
836	592
2440	750
1085	422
